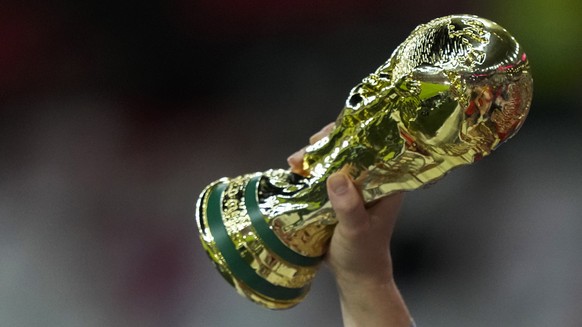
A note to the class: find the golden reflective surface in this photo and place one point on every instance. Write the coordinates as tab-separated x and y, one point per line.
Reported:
453	91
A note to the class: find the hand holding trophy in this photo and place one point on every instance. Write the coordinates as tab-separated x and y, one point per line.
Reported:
452	92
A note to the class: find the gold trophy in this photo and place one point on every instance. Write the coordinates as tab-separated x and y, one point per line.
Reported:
452	92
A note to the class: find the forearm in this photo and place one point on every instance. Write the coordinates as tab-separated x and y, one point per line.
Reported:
373	304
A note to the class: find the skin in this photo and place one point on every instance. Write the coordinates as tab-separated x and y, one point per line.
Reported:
359	253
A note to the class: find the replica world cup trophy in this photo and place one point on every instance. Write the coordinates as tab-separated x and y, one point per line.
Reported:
453	91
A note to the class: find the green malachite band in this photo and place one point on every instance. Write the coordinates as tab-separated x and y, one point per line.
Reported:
266	233
237	265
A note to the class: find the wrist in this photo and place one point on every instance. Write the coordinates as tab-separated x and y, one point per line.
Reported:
373	304
365	279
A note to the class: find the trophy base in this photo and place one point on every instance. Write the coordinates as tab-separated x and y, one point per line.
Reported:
245	250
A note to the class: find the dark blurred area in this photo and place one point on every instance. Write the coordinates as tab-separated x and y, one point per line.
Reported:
115	114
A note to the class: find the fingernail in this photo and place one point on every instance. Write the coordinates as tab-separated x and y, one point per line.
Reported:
338	183
295	158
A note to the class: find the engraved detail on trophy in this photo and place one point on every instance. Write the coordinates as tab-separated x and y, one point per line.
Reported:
452	92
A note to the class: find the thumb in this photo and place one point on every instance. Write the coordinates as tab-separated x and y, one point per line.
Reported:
348	205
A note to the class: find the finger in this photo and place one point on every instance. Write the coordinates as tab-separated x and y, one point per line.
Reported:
348	205
322	133
295	161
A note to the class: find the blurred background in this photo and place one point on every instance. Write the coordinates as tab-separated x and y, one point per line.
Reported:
115	114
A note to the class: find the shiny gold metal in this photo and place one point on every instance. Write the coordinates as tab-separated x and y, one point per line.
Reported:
452	92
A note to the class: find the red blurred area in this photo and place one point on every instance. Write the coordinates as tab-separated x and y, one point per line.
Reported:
25	35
